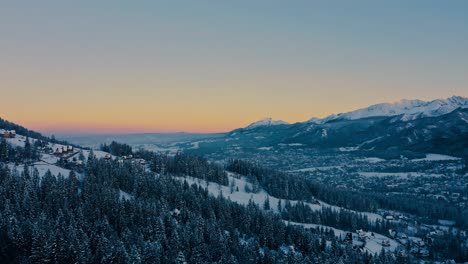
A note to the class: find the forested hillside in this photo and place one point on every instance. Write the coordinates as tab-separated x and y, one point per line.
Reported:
157	220
138	207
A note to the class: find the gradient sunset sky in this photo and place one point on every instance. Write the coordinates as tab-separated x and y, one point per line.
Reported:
209	66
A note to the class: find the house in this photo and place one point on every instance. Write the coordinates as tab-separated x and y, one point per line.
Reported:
389	217
424	253
58	151
362	235
63	150
107	157
9	134
386	243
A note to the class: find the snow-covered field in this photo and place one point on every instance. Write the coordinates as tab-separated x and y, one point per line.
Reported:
291	144
436	157
338	232
48	161
398	174
124	196
242	197
158	148
373	244
265	148
42	167
317	168
371	160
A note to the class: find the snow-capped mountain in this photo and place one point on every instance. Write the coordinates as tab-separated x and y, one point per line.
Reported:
266	122
408	109
439	126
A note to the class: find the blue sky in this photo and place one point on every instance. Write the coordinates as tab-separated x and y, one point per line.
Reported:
217	65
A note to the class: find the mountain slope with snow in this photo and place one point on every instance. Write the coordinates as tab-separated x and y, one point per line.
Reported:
414	126
266	122
410	109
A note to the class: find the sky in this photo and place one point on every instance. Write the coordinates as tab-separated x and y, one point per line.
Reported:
212	66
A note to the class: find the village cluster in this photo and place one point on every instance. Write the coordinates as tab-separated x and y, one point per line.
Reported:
9	134
69	156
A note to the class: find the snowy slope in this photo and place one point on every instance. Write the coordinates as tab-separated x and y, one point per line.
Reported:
42	168
259	198
48	161
410	109
373	244
266	122
436	157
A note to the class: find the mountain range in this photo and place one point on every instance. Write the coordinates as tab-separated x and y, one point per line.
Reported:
438	126
408	109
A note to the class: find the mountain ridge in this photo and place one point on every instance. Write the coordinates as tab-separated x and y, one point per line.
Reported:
266	122
411	109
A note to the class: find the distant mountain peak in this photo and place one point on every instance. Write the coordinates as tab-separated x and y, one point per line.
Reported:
409	109
266	122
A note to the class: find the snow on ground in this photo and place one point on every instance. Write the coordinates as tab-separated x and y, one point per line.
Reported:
47	161
98	153
397	174
51	159
20	140
265	148
291	144
348	149
445	228
266	122
317	168
242	197
195	145
125	196
436	157
373	244
338	232
371	160
158	148
42	167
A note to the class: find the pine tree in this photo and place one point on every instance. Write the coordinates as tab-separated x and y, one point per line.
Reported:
27	150
3	150
266	203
